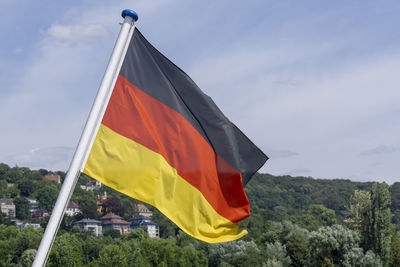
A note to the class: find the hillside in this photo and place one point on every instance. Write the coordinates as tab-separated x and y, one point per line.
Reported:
290	216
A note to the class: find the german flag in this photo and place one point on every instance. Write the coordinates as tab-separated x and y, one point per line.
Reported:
166	143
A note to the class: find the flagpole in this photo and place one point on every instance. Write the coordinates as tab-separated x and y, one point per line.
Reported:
87	137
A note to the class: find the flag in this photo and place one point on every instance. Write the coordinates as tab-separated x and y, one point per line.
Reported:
164	142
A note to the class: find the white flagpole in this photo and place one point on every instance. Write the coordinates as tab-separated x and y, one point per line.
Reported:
87	137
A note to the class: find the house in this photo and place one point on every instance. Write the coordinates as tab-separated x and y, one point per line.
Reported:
53	177
72	209
40	213
23	225
141	209
93	185
113	221
145	222
7	207
34	205
90	225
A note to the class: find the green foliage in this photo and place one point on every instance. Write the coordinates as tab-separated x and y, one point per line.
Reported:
113	233
137	234
27	257
331	244
317	215
112	255
66	252
26	187
297	249
395	251
276	252
47	197
358	213
292	224
226	252
22	208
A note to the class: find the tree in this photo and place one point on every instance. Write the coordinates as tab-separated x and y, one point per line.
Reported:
394	260
3	169
331	244
323	215
22	208
112	255
35	176
3	189
226	252
379	222
43	172
47	197
317	215
26	238
113	233
357	210
276	252
383	223
136	234
113	205
65	252
359	216
26	187
28	257
297	249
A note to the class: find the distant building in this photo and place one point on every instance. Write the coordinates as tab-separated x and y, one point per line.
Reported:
144	221
90	225
100	201
40	213
34	205
7	207
23	225
141	209
72	209
93	185
53	177
113	221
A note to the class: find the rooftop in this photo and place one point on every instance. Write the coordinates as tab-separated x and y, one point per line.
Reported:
111	216
72	205
116	222
6	201
87	221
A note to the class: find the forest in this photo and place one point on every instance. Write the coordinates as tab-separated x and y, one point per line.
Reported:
295	221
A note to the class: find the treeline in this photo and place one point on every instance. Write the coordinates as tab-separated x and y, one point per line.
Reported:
295	221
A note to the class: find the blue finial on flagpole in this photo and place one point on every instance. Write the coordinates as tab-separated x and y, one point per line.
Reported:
130	13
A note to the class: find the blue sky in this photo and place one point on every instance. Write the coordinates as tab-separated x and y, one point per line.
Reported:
312	83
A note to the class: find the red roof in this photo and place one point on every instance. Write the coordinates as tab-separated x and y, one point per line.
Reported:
91	182
142	208
111	216
116	222
72	205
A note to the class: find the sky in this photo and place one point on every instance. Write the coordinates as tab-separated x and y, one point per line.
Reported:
315	84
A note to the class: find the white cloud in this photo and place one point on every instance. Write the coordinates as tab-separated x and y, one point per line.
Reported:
381	149
77	32
52	158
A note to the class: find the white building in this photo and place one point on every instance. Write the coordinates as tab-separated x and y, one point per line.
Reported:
93	185
34	205
145	222
91	225
72	209
23	225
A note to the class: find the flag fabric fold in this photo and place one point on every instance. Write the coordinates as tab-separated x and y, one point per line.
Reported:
166	143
